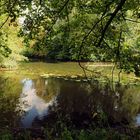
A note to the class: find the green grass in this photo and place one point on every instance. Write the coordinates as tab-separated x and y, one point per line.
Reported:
100	70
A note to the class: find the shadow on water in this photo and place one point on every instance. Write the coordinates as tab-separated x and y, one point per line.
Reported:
33	103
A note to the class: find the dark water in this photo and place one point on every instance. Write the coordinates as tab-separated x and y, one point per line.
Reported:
32	102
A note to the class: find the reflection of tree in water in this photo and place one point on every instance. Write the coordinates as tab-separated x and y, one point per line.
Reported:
77	102
82	104
9	94
47	88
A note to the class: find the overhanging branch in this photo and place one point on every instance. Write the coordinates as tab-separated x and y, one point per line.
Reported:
118	8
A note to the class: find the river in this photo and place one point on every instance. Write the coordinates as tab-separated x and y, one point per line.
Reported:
30	100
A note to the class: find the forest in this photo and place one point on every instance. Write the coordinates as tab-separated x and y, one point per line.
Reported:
70	69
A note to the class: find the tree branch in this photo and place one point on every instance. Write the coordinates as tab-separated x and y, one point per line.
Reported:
131	20
10	9
119	7
4	22
59	14
86	36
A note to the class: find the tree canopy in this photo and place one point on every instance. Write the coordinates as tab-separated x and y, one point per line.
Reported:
91	30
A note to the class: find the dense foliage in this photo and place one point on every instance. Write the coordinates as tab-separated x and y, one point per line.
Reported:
11	46
101	30
70	30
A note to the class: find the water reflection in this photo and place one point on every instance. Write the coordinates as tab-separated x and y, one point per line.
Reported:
138	120
32	104
9	95
79	103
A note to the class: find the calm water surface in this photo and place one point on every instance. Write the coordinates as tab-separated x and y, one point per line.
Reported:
27	101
